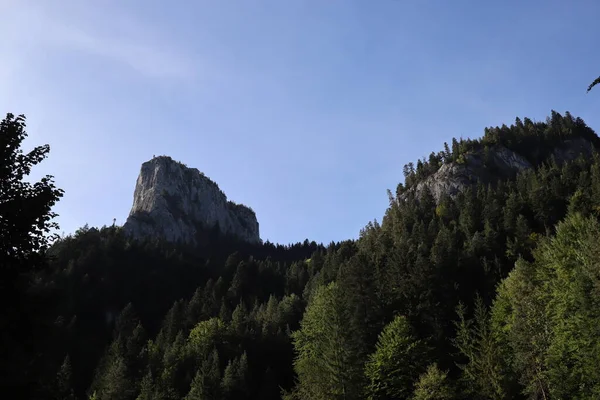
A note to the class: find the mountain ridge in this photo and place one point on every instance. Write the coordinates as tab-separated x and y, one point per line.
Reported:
501	153
501	163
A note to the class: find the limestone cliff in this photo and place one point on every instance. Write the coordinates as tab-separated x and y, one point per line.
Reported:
501	163
172	202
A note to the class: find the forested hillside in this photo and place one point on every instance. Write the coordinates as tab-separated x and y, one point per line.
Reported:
491	293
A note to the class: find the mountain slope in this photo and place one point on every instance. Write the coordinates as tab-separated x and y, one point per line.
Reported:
238	320
499	155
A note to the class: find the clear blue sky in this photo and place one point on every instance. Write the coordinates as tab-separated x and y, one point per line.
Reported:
304	110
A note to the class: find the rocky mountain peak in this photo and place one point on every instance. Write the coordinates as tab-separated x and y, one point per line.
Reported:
497	163
173	202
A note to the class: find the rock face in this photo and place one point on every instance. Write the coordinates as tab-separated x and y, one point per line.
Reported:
502	163
172	202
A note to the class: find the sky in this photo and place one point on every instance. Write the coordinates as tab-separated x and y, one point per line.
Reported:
305	110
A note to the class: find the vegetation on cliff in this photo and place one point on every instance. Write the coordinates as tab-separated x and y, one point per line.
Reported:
491	294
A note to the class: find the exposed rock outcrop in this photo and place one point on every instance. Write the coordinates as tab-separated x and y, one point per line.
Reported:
172	202
499	163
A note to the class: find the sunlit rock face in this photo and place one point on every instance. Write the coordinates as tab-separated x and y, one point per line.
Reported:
501	163
172	202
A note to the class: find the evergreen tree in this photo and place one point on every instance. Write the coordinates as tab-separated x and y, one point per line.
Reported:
239	282
172	325
206	383
193	312
146	388
225	311
64	389
116	385
433	385
397	362
125	322
239	320
484	372
326	365
429	254
234	383
135	346
519	324
357	280
546	314
271	317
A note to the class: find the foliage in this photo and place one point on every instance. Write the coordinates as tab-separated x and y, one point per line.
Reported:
25	208
373	317
205	335
433	385
206	383
483	372
26	225
398	360
547	313
325	364
594	83
64	389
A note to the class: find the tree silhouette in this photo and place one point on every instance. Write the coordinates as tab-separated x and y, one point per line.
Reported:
25	227
596	81
25	216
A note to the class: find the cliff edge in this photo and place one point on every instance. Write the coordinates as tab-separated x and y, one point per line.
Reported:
488	167
173	202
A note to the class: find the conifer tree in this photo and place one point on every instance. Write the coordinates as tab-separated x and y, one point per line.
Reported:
193	311
433	385
239	320
397	362
484	371
115	383
546	314
234	382
326	365
146	388
64	389
206	383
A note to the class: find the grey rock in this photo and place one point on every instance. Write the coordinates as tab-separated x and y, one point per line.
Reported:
172	202
570	149
450	179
